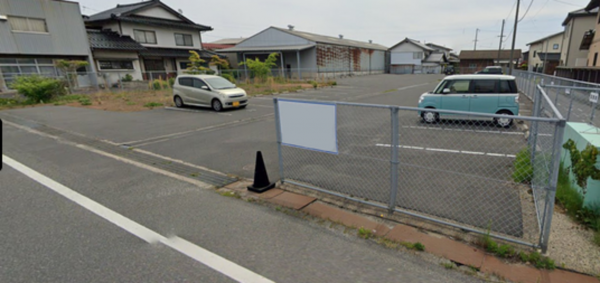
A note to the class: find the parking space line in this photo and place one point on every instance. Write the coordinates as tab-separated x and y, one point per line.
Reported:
461	130
196	111
449	150
195	252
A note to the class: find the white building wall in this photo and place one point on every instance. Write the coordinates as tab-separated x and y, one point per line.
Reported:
403	54
165	37
111	77
158	12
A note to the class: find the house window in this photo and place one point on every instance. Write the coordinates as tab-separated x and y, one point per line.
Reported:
144	36
417	55
595	59
183	39
473	66
13	67
555	46
183	65
115	64
23	24
534	53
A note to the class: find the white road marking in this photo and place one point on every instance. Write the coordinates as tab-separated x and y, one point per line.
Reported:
197	111
461	130
579	109
214	261
449	150
412	86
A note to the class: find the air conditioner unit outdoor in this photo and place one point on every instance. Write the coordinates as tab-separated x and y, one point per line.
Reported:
3	18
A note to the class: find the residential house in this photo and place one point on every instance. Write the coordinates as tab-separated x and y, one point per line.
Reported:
166	35
439	48
578	34
303	54
116	56
472	61
410	56
36	33
225	43
545	53
594	45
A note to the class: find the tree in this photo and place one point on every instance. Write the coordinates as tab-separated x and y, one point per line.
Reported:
69	68
261	69
222	64
195	67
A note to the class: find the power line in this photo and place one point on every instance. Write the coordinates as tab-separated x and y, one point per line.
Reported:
511	9
527	10
567	3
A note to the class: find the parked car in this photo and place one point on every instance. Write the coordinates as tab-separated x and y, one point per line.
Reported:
449	70
491	70
493	94
208	91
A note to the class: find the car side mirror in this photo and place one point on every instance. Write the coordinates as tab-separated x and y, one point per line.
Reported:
204	87
446	91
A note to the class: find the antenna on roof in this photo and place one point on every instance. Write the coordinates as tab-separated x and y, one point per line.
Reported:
180	11
341	36
370	41
290	27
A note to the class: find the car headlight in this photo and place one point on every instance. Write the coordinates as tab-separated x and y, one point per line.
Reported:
421	99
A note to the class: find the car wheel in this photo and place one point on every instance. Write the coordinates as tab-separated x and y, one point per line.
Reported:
216	105
504	122
178	102
430	117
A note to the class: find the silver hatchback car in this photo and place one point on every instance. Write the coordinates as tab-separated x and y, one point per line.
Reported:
208	91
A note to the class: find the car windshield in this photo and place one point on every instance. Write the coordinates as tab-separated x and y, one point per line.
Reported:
219	83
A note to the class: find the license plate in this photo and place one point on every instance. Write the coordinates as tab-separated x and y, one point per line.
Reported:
236	104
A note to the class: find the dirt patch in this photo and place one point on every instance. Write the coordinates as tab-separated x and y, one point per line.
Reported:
146	99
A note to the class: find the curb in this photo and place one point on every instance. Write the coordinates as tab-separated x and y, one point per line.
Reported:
457	252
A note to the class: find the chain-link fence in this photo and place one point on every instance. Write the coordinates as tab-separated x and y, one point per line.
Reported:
571	97
139	80
466	172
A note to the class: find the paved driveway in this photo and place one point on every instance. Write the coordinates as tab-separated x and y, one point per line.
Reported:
228	141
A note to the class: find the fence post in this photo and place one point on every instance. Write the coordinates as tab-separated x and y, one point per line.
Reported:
394	160
278	126
534	125
551	191
570	104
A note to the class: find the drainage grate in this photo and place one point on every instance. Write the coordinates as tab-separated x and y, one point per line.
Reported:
212	178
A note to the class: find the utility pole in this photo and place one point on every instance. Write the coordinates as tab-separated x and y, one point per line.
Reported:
501	38
512	49
545	57
476	32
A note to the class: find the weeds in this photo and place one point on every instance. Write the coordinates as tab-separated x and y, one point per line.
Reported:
85	101
505	251
572	201
365	233
230	194
448	265
152	104
523	171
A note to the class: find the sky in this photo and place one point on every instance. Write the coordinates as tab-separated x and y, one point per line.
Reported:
386	22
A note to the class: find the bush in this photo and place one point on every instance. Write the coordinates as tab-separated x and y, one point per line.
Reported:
37	88
85	101
523	171
8	102
228	77
210	72
157	84
127	78
171	82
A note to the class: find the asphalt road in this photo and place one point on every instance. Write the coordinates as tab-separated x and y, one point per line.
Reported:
228	141
49	238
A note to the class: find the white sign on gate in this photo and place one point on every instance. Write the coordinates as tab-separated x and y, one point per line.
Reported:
308	125
567	91
594	97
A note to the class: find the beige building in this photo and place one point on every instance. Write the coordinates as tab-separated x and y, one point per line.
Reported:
592	38
545	51
577	24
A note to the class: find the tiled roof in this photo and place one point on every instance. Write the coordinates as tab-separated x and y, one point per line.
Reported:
332	40
436	57
434	46
488	54
175	52
112	41
162	22
213	46
126	13
228	41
